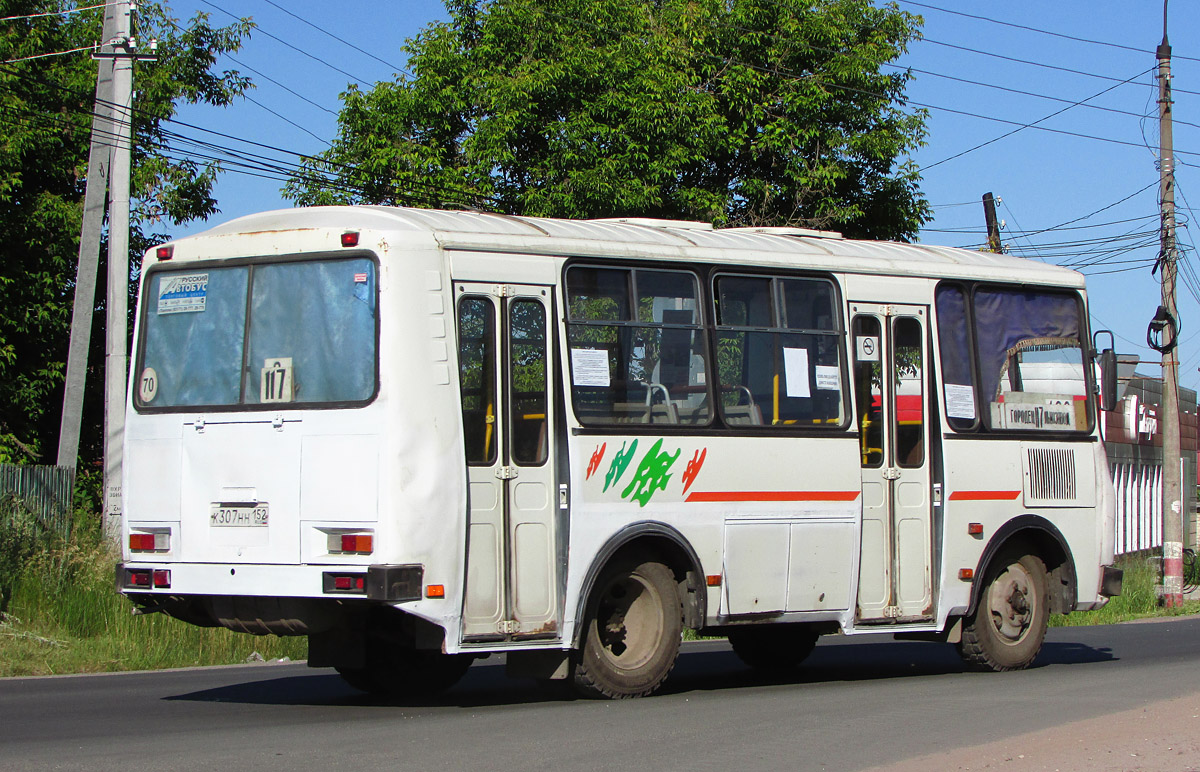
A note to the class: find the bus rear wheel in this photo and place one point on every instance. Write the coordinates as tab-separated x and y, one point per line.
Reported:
773	648
405	672
1009	624
633	630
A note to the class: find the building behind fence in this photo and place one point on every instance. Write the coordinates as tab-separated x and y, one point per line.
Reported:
44	491
1133	443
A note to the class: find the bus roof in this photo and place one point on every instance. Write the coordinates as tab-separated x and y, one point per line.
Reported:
652	239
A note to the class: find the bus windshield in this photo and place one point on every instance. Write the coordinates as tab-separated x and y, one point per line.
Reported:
299	332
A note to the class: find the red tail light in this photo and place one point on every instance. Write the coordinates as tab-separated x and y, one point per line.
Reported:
157	541
351	543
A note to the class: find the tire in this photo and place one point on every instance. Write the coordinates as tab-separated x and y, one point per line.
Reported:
407	672
773	648
1009	624
632	634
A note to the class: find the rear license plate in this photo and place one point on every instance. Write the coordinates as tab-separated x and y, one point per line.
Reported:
226	515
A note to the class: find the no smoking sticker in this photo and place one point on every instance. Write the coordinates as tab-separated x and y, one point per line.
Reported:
867	347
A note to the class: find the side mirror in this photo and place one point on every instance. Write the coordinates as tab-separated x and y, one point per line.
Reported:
1107	361
1108	379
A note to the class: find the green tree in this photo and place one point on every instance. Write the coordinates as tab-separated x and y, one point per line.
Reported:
45	129
739	112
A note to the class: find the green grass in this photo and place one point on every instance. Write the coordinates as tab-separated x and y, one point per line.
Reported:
64	615
1139	598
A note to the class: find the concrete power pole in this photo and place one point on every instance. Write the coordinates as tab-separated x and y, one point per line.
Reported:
116	358
89	254
1172	474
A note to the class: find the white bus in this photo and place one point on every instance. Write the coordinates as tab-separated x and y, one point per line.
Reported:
421	437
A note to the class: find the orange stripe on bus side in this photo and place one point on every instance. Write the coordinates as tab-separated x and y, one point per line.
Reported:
773	496
984	495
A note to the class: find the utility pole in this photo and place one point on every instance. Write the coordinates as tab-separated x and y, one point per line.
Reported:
1172	475
116	357
89	254
993	225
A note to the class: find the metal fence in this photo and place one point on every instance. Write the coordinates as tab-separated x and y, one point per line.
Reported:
44	491
1139	506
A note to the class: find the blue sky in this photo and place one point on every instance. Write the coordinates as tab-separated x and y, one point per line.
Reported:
1081	190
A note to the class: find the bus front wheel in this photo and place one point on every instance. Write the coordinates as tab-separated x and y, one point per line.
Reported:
633	630
1009	624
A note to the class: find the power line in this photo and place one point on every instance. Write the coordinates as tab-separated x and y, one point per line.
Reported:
1030	125
812	78
269	79
1038	30
298	50
256	165
1016	60
55	53
1022	92
65	12
1098	211
343	41
958	79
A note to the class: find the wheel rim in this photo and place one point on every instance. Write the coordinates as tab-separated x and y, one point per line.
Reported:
629	622
1012	602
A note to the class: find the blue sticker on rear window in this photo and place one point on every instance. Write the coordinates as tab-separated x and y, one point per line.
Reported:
182	294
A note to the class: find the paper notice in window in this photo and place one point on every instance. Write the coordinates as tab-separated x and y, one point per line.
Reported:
828	378
795	372
589	367
960	401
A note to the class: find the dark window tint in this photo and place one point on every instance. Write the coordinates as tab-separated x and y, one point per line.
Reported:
908	390
636	347
527	370
778	352
958	377
1031	363
868	388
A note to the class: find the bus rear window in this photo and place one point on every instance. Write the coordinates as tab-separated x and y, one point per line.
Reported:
273	333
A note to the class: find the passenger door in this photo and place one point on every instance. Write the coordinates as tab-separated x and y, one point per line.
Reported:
891	381
512	586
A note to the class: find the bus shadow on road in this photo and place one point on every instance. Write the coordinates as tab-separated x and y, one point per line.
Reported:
705	669
844	661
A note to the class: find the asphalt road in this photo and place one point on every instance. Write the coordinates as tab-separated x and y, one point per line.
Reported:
857	702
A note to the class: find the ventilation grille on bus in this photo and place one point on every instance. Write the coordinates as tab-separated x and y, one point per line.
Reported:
1051	475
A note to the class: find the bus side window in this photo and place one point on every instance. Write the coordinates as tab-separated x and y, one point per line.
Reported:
636	341
477	378
908	373
527	369
868	392
778	352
